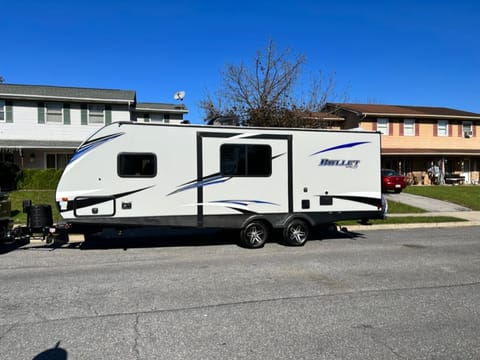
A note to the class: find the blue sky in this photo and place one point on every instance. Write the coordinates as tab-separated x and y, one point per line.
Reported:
389	52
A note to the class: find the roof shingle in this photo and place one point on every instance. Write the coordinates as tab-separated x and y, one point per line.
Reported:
66	93
402	110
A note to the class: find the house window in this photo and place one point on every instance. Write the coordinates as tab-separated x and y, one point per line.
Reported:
382	126
442	128
2	110
54	113
245	160
96	114
162	118
467	129
57	161
409	127
137	165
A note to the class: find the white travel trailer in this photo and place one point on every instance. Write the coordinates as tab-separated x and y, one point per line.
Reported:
253	179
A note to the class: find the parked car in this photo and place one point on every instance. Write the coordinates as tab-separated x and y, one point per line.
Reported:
392	180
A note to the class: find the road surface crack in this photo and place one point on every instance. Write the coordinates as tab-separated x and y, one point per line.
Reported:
136	349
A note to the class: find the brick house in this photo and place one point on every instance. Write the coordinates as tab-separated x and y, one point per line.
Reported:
41	126
417	138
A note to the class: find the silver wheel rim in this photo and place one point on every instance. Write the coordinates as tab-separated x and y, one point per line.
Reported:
297	234
255	235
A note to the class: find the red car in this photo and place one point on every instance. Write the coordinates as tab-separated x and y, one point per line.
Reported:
391	180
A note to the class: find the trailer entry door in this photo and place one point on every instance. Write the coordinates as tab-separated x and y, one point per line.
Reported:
251	174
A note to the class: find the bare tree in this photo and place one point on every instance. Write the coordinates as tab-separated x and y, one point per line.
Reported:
264	93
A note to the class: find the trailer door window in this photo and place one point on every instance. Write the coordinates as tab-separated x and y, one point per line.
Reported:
245	160
137	165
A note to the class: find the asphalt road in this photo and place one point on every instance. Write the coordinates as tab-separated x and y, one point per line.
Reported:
405	294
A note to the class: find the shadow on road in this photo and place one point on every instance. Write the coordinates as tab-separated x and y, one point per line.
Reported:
56	353
6	248
155	238
159	238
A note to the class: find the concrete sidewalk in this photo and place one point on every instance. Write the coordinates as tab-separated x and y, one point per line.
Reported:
425	203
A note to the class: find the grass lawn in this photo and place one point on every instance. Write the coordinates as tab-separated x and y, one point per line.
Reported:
37	197
464	195
395	207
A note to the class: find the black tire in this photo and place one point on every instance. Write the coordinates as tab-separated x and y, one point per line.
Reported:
296	233
254	235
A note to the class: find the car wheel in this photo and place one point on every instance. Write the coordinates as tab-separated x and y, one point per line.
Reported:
296	233
254	235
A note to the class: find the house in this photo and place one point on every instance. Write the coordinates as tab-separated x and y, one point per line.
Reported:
418	139
41	126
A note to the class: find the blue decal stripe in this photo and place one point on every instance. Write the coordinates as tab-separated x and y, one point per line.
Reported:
83	149
244	202
196	184
343	146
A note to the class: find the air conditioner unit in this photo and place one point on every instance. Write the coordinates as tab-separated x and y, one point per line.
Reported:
468	133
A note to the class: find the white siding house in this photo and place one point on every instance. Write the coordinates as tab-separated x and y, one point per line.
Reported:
41	126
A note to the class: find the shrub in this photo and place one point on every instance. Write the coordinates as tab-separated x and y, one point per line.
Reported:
35	179
9	174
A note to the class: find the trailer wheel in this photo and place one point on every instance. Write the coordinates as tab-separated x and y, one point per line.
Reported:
296	233
254	235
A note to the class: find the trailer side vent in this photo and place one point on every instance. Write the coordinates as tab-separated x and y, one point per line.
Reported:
326	200
305	204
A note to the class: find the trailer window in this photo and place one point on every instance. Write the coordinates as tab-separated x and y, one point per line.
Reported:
245	160
137	165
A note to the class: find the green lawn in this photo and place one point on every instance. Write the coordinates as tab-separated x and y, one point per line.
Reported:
464	195
37	197
395	207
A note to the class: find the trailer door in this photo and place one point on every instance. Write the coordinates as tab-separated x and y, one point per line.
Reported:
244	174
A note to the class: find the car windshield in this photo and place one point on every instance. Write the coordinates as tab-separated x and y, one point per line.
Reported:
389	173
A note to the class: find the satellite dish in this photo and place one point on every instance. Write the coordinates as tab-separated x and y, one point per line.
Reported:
179	95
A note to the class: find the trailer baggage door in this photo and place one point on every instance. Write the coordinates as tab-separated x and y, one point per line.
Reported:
244	174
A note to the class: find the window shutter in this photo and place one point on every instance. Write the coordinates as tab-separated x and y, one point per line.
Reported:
417	129
108	114
374	127
460	129
41	113
8	112
435	129
449	127
402	128
66	114
390	128
83	114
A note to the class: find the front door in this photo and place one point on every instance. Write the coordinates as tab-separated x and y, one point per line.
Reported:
466	170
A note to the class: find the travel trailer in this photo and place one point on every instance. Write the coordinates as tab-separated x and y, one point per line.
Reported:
129	175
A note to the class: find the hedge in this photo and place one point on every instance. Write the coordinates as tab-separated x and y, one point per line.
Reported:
9	174
35	179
